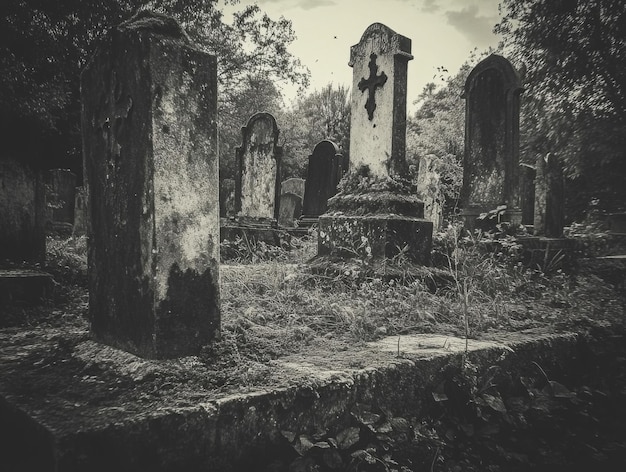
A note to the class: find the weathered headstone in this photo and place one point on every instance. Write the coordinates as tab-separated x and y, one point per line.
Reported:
293	185
377	213
149	109
491	160
227	198
527	194
257	186
549	197
290	209
429	189
378	119
60	195
81	211
22	212
323	175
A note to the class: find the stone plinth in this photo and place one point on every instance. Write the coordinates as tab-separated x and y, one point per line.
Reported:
375	236
491	159
149	109
22	213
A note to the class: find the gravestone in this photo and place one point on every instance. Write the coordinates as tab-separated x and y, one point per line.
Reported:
227	198
81	211
429	189
290	209
491	160
149	124
323	175
22	213
60	196
527	194
549	197
378	101
257	186
293	185
377	214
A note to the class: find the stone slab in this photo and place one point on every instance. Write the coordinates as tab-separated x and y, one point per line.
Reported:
66	416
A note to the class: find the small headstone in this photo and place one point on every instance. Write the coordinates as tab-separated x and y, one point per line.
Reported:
22	213
293	185
227	198
491	160
378	119
149	124
290	209
60	195
323	175
81	211
429	189
549	197
257	187
527	194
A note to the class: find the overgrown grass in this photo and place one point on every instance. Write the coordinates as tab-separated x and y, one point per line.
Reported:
278	306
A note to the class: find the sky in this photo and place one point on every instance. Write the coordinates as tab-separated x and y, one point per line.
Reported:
443	34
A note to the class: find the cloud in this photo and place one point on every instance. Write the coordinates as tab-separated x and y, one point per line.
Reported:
430	6
477	29
303	4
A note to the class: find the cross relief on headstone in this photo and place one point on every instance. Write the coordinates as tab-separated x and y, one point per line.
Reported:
370	85
379	82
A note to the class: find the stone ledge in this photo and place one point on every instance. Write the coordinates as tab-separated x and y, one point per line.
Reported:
65	431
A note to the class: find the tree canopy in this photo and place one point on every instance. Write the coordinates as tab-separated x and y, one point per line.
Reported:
573	56
321	114
44	45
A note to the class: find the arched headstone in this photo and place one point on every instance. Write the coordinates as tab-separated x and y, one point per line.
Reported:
323	175
257	186
491	160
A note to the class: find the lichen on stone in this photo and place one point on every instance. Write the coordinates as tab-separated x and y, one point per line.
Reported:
362	181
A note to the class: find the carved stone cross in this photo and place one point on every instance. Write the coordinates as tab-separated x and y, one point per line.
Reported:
370	84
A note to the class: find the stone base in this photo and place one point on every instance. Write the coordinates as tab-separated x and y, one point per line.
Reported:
266	234
470	214
307	222
548	253
375	236
24	286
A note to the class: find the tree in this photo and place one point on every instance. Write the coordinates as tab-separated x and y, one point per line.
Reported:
322	114
573	54
44	45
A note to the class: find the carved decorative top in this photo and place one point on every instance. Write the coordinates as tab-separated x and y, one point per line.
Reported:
370	84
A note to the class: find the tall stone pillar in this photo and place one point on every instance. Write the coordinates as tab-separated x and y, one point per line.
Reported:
149	109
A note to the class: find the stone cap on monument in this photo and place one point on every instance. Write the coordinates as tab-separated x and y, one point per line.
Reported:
383	40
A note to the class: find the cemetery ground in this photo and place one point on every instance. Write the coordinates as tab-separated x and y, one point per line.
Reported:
558	403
